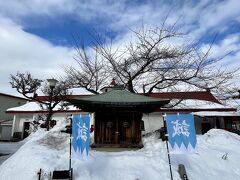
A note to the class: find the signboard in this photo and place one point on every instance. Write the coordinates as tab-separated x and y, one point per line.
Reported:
181	132
81	133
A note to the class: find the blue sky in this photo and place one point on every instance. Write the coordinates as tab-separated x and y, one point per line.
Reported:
60	30
37	35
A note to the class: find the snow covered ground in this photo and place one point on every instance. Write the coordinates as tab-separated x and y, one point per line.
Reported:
50	151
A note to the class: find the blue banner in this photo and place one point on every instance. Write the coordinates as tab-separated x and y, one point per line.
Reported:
81	133
181	131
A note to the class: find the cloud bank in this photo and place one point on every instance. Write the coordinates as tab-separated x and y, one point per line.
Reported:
23	51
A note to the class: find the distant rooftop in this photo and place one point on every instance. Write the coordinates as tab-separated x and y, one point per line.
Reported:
11	96
199	95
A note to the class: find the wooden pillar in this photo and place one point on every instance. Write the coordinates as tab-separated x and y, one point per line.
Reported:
103	131
133	129
116	133
96	127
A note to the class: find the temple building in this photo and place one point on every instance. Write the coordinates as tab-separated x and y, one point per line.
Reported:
118	116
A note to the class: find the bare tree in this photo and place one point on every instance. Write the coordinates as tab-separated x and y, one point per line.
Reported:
91	72
151	61
28	86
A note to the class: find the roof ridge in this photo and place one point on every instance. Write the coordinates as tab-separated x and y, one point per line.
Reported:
12	96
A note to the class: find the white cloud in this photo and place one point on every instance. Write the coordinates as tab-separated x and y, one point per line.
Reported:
228	45
21	51
228	49
198	17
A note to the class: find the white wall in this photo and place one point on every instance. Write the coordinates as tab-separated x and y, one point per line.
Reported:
29	117
152	121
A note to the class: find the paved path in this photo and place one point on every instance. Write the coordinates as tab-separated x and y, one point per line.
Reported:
8	148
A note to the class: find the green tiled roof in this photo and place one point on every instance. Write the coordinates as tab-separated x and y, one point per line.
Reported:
119	96
118	100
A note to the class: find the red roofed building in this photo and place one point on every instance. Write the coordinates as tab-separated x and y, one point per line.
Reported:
208	111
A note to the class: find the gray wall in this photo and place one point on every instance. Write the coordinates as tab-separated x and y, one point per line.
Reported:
7	102
5	132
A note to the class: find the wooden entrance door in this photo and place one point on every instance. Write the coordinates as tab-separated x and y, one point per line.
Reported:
117	128
109	131
125	130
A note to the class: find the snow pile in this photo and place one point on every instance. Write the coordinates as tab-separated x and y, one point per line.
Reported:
50	151
217	157
41	150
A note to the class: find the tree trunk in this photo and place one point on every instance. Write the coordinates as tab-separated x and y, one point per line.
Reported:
49	117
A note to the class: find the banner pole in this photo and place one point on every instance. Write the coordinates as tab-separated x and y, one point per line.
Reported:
169	160
70	149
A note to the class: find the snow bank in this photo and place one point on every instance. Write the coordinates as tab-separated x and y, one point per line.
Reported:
50	151
35	106
208	162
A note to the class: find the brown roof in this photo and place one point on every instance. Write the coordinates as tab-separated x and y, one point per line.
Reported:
199	95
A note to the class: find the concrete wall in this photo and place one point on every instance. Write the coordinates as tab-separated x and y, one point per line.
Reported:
7	102
152	122
19	121
5	132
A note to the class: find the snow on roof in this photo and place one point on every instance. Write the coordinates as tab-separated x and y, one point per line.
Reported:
80	91
216	113
235	103
30	106
199	104
35	106
12	96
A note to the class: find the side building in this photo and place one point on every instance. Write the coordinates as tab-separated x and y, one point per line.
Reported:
8	101
25	115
